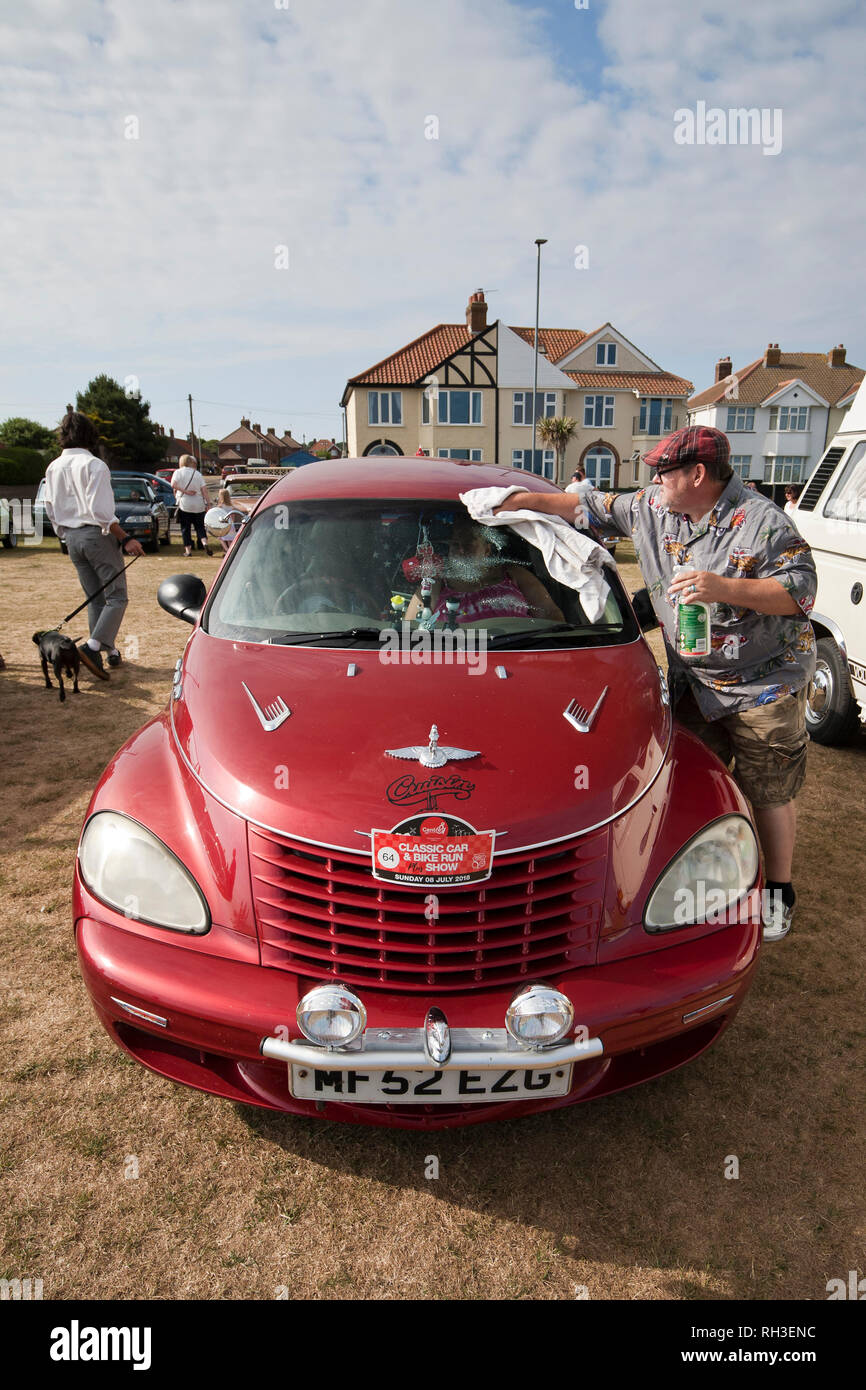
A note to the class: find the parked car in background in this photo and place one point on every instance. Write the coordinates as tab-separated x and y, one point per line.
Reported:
8	533
408	888
139	510
246	489
231	468
831	515
158	483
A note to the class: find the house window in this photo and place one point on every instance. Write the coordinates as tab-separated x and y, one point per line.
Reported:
543	464
545	406
655	415
605	354
384	407
473	455
789	417
740	418
741	463
784	468
459	407
598	410
599	465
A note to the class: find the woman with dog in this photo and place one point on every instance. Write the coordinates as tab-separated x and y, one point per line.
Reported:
79	502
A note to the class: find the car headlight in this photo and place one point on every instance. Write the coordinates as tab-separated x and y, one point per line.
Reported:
707	878
332	1015
539	1016
128	868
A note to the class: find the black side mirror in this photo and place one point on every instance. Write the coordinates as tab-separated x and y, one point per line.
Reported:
643	610
183	596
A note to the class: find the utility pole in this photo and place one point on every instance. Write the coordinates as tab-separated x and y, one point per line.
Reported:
192	438
539	241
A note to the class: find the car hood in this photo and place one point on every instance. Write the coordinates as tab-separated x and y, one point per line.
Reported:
324	774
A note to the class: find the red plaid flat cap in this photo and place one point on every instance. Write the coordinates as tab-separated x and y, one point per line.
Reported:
694	444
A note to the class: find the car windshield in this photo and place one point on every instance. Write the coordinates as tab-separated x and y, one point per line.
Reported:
349	569
131	490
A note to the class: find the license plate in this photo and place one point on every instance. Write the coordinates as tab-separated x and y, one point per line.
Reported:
428	1087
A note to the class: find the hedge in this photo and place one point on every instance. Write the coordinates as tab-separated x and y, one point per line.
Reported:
21	466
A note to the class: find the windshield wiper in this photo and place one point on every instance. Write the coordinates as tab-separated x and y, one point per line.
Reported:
289	639
532	636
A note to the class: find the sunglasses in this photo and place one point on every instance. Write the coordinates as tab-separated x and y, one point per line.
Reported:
674	468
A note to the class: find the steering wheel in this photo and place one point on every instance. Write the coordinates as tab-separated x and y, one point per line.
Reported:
302	591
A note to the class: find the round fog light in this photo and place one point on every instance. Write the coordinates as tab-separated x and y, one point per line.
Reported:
331	1015
539	1016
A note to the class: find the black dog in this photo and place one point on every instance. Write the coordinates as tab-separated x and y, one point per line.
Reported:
62	653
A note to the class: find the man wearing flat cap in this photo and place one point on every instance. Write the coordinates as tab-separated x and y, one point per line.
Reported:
746	698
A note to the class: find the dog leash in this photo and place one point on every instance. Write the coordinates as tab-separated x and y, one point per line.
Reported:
71	615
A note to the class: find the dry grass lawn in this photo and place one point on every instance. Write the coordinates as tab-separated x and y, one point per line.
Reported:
626	1196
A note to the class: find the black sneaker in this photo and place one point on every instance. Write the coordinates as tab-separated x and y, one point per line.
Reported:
93	661
114	658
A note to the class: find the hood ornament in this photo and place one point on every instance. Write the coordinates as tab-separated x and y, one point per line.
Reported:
432	755
581	718
273	715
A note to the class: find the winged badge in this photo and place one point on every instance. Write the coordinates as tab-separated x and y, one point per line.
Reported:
433	755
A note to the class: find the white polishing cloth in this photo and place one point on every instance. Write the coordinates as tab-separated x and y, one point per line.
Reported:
570	558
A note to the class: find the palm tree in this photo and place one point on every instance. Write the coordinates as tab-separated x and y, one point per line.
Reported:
555	434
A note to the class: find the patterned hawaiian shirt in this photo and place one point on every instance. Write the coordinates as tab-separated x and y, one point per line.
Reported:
755	658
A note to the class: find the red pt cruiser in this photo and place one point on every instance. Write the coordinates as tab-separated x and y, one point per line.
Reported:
416	841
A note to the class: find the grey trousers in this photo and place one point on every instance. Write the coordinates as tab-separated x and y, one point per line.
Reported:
96	557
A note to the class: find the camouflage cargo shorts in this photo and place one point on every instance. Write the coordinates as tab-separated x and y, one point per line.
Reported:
767	744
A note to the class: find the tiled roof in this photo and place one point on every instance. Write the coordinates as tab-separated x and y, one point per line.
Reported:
230	456
417	359
756	382
556	342
647	383
242	436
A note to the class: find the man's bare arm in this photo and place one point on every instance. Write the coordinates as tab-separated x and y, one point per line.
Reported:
563	504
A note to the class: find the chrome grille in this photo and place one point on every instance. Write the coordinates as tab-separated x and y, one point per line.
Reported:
324	915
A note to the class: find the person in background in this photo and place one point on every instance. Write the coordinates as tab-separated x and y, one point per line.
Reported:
190	489
224	500
792	492
79	502
579	483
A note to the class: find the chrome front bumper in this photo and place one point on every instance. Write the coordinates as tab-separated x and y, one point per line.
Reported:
473	1049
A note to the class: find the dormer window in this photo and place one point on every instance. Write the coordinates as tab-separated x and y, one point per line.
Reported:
605	354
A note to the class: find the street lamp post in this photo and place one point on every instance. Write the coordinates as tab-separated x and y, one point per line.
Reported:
539	241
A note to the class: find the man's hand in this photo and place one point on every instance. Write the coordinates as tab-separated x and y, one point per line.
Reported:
700	586
761	595
133	547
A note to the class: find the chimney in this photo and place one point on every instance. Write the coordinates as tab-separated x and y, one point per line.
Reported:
773	356
836	356
171	433
271	430
257	429
724	367
476	312
245	424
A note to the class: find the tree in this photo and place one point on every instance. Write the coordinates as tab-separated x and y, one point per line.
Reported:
19	433
127	434
555	434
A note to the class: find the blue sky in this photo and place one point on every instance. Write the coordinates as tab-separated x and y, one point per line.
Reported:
303	127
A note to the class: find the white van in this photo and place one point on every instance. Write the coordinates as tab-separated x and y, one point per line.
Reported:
831	516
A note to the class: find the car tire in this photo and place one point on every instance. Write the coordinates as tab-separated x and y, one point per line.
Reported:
151	545
10	539
832	714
